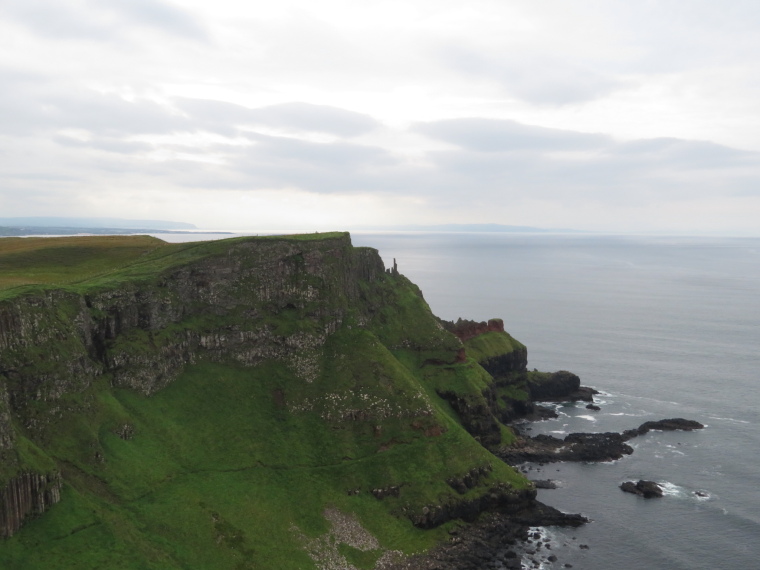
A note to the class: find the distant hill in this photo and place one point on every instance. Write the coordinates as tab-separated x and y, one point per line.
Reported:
102	223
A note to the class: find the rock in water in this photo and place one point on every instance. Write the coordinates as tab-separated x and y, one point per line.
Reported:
646	489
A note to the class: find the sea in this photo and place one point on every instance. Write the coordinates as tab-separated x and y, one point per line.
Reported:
663	327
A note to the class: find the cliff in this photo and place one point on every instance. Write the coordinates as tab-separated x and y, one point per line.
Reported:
223	404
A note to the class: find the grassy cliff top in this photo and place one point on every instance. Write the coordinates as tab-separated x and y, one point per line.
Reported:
66	261
233	402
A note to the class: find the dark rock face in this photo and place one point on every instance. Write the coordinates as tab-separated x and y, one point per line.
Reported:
505	364
269	276
499	498
470	479
646	489
491	542
477	418
561	386
24	496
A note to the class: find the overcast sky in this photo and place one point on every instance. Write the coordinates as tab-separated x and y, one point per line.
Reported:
592	114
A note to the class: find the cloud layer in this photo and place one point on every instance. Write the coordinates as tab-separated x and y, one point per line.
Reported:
596	117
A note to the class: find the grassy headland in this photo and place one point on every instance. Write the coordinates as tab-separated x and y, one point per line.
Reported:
215	404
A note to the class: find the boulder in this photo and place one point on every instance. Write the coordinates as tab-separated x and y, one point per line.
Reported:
643	488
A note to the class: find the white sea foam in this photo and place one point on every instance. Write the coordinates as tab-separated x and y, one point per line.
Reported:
539	560
732	420
671	489
674	449
589	418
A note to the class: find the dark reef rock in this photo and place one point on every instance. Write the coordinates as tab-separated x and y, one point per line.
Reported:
575	447
545	484
585	446
544	515
670	425
646	489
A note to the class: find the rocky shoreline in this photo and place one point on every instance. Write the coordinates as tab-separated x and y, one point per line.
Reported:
608	446
497	541
510	541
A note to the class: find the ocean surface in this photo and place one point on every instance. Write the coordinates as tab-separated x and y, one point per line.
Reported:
664	327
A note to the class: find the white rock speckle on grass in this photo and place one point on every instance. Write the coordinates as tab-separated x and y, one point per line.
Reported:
344	529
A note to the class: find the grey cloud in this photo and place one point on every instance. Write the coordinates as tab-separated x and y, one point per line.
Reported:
297	117
58	19
111	115
105	144
100	20
493	162
535	78
158	14
611	172
315	118
496	135
32	105
279	162
686	153
629	173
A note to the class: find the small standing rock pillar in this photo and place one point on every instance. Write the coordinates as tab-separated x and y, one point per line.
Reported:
394	271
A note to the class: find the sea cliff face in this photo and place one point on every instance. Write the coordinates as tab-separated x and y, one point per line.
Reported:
286	375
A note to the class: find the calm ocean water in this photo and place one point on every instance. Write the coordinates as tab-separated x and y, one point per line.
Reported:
665	327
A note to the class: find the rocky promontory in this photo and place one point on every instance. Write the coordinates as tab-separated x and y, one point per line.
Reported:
279	402
607	446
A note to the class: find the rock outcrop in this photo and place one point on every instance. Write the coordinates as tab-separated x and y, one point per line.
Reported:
646	489
465	329
608	446
561	386
24	496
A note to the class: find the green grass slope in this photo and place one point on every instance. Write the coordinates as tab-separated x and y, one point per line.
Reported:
233	466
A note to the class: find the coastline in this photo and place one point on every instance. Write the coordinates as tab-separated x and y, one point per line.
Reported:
520	540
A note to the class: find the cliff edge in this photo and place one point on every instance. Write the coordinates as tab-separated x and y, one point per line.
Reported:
276	402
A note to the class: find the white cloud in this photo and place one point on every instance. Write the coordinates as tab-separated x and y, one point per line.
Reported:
527	112
100	20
